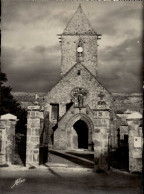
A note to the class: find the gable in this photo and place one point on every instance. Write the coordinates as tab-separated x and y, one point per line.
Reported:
78	77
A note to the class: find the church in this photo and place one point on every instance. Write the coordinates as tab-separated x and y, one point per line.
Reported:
80	108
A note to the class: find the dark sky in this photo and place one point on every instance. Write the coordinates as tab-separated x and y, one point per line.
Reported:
31	52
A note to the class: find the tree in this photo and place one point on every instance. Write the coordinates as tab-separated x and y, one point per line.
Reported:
9	105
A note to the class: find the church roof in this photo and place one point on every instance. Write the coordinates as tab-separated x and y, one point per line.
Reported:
79	24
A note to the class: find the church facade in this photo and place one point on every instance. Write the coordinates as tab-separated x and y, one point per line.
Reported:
79	113
80	108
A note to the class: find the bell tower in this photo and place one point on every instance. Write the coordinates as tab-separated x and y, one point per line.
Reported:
79	44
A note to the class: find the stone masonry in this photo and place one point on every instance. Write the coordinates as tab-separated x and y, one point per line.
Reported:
60	93
7	138
135	142
89	101
69	54
77	29
34	128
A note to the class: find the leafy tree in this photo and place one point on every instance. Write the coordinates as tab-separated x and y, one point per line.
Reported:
9	105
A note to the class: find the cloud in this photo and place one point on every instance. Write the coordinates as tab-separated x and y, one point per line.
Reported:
120	68
28	71
32	14
113	22
129	49
31	52
49	50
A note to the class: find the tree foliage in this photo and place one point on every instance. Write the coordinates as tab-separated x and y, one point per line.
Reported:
8	104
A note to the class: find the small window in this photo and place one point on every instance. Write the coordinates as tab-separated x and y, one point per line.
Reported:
55	111
78	72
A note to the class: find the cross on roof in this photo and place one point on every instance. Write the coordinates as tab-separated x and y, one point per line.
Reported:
101	95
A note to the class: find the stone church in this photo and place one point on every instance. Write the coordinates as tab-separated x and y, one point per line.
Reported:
80	108
81	113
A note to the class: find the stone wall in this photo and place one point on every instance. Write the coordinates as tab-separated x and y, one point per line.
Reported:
69	49
61	92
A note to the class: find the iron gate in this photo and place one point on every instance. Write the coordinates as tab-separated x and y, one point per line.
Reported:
20	148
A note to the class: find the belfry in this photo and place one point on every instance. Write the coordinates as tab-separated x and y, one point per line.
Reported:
79	44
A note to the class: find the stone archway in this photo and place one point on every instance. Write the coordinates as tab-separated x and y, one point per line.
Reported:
74	128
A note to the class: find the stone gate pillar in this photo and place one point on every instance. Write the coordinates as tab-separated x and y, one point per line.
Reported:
7	139
34	125
101	139
135	141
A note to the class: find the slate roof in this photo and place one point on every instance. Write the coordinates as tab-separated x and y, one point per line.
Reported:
79	24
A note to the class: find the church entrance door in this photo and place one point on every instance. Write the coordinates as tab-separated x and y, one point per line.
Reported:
81	129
